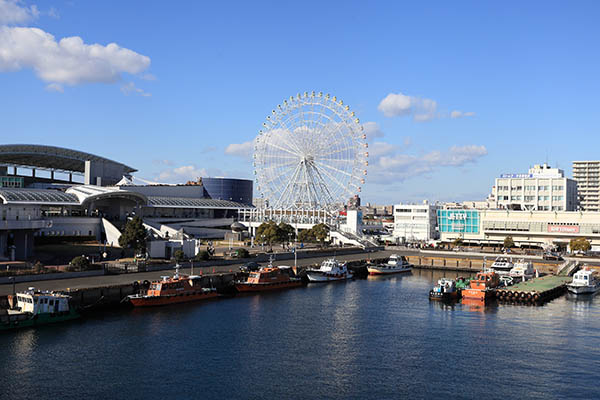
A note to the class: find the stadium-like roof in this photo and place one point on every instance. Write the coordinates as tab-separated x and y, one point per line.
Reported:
88	193
37	196
50	157
184	202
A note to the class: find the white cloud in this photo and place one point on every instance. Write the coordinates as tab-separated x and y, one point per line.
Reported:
55	87
15	12
372	130
388	166
460	114
421	109
69	61
398	104
243	150
130	87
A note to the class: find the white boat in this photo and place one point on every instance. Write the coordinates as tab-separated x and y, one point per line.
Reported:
522	270
584	283
502	266
330	270
394	265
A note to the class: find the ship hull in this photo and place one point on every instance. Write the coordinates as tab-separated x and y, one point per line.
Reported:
575	289
152	301
476	294
244	287
381	271
321	277
443	296
17	321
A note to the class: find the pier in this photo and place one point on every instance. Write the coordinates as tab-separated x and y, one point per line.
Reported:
536	291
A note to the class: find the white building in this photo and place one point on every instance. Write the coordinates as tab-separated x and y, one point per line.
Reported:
587	175
415	222
537	228
543	188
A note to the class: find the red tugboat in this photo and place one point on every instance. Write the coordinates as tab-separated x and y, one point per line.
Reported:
481	287
179	288
268	278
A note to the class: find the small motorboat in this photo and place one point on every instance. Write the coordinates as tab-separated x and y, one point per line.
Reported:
584	282
330	270
394	265
445	290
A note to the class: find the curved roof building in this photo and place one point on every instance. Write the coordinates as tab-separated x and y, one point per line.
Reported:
97	170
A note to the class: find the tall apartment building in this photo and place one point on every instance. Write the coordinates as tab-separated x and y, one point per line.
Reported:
415	221
587	175
542	188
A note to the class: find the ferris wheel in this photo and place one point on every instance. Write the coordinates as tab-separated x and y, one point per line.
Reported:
311	153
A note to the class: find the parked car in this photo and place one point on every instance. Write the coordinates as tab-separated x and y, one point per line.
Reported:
552	256
250	267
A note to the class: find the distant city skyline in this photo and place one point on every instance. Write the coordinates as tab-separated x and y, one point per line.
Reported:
450	96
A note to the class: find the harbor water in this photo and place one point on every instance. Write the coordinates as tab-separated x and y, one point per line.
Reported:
370	338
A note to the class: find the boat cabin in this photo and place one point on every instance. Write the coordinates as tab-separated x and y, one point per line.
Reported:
37	302
583	277
485	280
396	260
446	286
268	275
173	285
332	265
502	265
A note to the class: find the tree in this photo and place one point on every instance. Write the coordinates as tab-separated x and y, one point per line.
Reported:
286	232
179	255
269	233
306	236
134	235
509	242
580	244
320	232
457	242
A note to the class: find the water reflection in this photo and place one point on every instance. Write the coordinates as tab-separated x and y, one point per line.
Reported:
388	276
481	306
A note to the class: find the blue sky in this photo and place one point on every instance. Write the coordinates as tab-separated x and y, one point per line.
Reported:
189	79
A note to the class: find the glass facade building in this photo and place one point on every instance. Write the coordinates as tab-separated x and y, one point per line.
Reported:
238	190
458	221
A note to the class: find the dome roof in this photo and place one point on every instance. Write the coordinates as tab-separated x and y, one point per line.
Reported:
237	227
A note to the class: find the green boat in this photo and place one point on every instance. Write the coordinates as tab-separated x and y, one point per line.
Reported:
34	308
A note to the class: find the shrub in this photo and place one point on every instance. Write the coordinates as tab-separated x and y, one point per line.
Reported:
242	253
202	256
80	263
